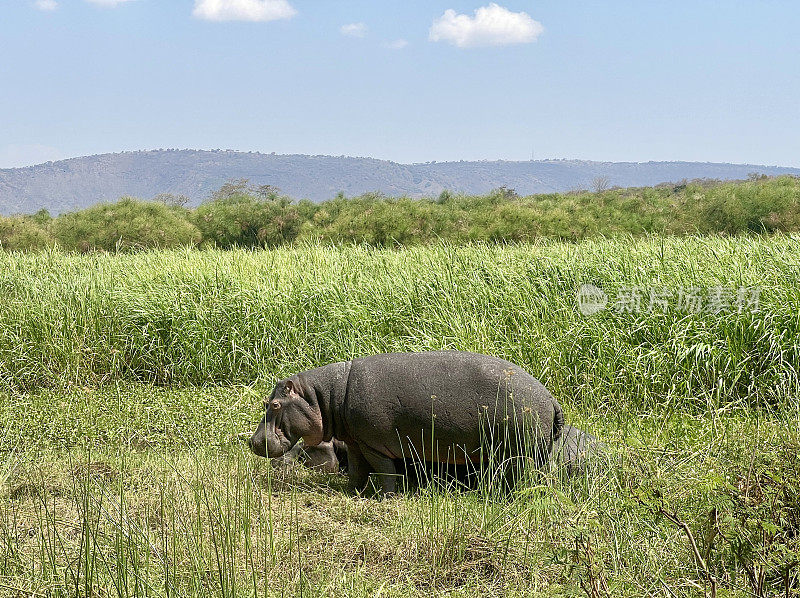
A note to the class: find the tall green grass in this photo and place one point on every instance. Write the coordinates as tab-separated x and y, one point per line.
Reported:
184	317
124	378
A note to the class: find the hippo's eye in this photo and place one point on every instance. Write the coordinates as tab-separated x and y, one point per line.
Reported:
275	405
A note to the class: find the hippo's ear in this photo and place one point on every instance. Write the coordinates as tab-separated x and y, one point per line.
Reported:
298	389
294	388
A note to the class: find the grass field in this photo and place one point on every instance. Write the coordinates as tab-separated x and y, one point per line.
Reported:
124	379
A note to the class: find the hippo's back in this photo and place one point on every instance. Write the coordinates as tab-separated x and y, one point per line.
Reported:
456	392
443	371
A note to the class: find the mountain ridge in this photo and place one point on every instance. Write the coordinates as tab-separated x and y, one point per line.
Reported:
76	183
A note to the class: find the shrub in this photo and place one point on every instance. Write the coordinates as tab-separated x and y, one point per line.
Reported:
23	233
759	205
127	224
243	215
242	220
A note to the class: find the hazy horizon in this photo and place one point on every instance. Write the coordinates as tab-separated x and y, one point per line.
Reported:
412	163
406	81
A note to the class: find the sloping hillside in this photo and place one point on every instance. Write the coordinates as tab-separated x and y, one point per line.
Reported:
80	182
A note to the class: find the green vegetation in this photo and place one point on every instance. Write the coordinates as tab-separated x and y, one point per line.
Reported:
241	215
123	379
127	224
196	317
135	490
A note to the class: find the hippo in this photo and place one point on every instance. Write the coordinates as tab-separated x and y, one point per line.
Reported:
571	453
450	407
575	449
326	457
331	458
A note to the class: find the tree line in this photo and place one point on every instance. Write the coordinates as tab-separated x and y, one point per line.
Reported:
240	214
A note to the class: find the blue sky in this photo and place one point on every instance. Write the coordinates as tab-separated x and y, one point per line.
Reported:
403	79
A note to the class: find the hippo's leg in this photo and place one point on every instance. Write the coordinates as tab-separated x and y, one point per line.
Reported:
293	456
358	469
322	458
383	466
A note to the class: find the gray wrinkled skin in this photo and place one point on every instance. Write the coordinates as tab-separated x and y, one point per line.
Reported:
326	457
442	406
572	453
575	449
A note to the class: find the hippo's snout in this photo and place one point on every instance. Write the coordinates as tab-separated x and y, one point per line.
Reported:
258	443
266	443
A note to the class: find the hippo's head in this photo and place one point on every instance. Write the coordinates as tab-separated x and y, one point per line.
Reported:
292	413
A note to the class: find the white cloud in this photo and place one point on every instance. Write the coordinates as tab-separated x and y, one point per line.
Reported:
109	3
243	10
354	30
397	44
492	25
46	4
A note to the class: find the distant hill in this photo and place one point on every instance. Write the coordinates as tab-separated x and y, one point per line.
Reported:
77	183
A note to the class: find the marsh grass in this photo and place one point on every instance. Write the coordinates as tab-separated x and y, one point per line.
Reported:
124	379
188	516
236	317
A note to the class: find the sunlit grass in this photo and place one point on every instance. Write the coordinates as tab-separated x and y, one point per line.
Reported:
223	317
189	512
125	378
